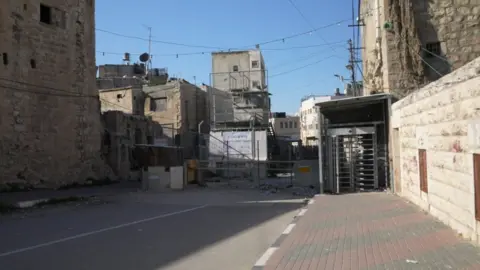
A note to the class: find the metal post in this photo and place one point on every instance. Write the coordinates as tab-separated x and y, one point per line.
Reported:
258	159
320	149
290	163
228	161
337	162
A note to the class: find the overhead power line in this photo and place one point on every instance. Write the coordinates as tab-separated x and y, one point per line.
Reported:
282	39
209	52
309	23
302	67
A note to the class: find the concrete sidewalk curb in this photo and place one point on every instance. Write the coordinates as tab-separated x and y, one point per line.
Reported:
262	261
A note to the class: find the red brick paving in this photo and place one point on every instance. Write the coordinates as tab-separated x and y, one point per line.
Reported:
370	231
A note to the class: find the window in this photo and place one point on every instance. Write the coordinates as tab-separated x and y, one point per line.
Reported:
295	124
5	58
45	14
422	167
281	124
476	183
316	126
33	64
290	124
256	84
433	49
158	104
235	68
255	64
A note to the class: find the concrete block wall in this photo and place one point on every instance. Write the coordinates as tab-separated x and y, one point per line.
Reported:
441	118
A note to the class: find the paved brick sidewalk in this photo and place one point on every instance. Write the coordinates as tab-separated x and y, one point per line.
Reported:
369	231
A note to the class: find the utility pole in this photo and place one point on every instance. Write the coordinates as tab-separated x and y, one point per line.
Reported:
149	46
351	67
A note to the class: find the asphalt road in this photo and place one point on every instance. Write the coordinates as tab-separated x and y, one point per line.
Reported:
207	229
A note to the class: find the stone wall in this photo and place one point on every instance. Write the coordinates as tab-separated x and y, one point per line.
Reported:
123	132
49	109
398	62
130	100
442	118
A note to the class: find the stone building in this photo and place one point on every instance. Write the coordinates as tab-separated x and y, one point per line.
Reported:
49	109
409	43
123	132
180	107
128	99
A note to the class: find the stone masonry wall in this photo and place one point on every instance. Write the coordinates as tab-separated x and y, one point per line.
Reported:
402	64
442	118
49	109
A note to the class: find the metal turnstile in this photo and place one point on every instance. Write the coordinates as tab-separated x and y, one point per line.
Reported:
352	154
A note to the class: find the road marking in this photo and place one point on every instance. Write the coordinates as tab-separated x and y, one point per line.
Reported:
289	228
21	250
263	260
302	212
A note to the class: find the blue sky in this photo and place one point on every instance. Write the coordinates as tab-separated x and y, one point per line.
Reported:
227	24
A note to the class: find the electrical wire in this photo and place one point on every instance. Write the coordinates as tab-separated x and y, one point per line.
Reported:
307	57
9	87
156	41
309	23
209	52
302	67
282	39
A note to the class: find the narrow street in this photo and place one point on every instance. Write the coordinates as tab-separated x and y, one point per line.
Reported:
197	229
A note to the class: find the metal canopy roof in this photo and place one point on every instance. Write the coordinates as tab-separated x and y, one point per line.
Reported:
352	102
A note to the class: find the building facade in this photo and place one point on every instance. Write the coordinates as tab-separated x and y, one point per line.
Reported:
123	131
243	74
410	43
180	107
286	126
50	121
308	117
129	99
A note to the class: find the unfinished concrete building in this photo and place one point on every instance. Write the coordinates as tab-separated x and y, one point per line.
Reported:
409	43
49	110
243	74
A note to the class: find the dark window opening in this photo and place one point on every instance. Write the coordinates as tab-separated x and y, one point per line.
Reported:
33	64
24	6
45	14
158	104
235	68
433	49
422	167
255	64
5	58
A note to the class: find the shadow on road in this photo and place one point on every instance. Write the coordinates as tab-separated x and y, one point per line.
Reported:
149	245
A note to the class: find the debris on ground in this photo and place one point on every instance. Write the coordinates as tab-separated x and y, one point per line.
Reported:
412	261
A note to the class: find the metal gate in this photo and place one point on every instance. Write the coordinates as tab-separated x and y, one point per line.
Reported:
352	154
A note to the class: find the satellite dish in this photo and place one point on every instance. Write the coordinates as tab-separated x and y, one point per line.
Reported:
144	57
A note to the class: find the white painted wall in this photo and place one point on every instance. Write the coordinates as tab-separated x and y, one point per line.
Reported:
239	142
308	117
288	126
442	118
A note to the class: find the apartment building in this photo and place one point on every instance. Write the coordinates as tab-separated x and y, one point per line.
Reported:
409	43
309	115
285	126
243	74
